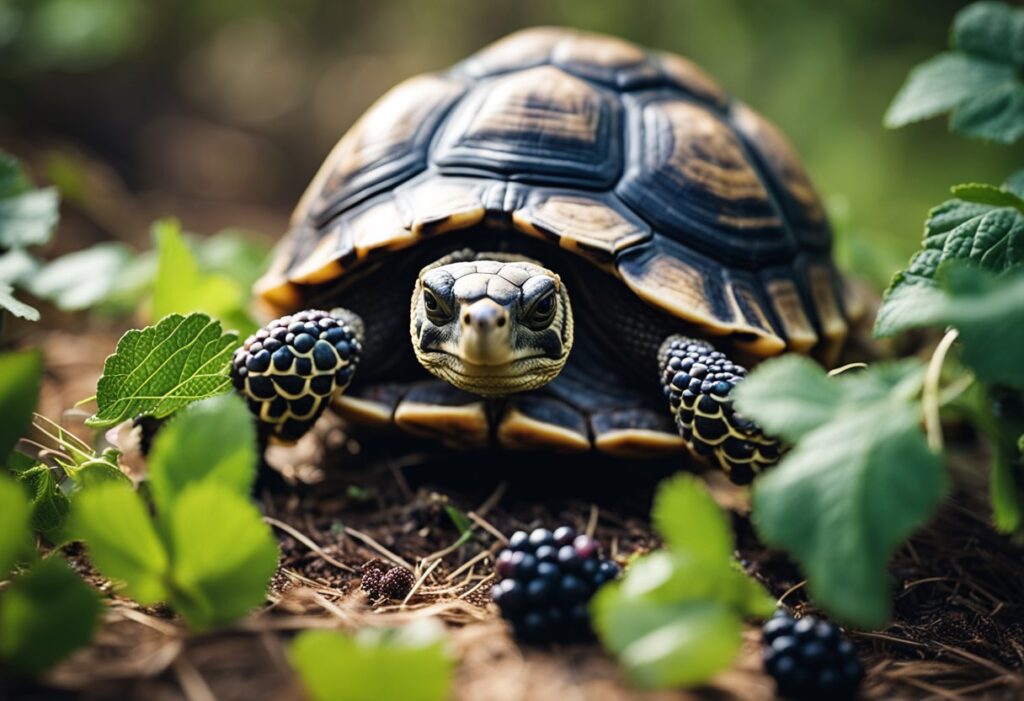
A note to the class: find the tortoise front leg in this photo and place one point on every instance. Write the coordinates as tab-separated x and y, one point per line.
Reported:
697	380
289	370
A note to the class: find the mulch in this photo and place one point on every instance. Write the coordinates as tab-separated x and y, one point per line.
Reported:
957	631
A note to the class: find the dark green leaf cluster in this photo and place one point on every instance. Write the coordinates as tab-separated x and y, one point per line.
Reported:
676	617
978	80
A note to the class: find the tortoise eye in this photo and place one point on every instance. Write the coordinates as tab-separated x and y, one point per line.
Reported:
543	311
435	310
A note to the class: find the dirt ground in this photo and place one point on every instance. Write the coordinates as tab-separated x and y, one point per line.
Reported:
958	631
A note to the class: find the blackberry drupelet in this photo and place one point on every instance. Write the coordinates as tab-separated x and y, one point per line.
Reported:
289	370
545	581
370	583
810	658
697	380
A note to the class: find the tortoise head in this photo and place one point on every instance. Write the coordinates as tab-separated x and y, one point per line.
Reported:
491	323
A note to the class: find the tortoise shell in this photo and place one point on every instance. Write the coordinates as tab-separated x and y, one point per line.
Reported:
634	160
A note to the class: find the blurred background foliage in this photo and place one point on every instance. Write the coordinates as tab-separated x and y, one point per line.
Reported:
220	112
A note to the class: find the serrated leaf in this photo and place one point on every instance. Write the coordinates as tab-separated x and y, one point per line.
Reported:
988	235
181	286
223	554
988	194
27	216
20	378
689	520
849	493
122	542
45	615
15	306
979	81
15	512
81	279
210	440
162	368
49	504
337	667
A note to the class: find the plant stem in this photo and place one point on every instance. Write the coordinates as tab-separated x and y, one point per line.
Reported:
930	392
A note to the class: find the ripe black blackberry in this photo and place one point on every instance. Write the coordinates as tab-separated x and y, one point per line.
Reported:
810	658
546	580
289	370
370	583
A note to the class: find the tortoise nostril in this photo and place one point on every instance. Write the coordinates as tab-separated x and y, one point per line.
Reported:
466	318
501	322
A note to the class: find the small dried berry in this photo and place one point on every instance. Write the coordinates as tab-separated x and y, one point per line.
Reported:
397	583
371	583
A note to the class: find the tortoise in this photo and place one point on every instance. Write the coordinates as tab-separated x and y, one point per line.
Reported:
596	240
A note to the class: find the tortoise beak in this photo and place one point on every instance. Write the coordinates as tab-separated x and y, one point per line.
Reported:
485	334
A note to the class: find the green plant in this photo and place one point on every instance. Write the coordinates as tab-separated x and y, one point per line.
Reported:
206	551
410	663
676	617
867	465
28	217
46	611
978	81
160	369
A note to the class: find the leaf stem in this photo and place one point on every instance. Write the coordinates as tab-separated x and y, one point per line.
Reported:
930	392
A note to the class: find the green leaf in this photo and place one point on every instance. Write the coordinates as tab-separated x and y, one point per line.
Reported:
979	81
223	554
82	279
989	314
667	644
1015	183
852	490
27	216
15	306
17	266
162	368
689	520
240	255
49	504
123	544
97	471
210	440
988	194
15	512
45	615
791	395
181	286
20	378
675	618
410	663
987	234
991	29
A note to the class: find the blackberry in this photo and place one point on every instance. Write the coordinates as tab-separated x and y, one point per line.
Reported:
810	658
370	583
289	370
397	583
545	580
